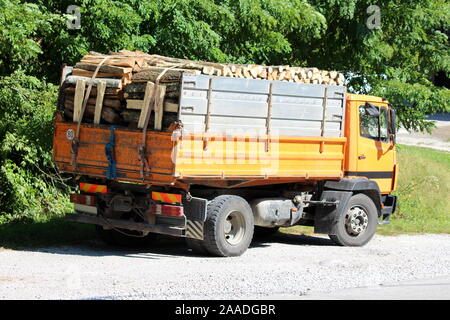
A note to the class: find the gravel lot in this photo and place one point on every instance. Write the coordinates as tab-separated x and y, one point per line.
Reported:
282	266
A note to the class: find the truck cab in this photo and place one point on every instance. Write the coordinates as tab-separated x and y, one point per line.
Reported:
370	151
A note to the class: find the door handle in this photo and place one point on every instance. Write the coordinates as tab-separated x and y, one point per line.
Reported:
361	157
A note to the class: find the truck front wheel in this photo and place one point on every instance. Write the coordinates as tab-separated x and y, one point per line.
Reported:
357	223
228	229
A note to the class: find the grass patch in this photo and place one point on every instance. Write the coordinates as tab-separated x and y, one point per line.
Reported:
423	192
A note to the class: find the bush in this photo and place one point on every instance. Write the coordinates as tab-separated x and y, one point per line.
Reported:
29	184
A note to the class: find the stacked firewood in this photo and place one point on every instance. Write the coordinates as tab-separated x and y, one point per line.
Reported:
280	73
126	83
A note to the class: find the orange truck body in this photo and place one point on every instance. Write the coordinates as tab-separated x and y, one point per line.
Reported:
178	161
333	166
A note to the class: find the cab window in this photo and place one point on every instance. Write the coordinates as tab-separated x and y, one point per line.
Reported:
374	123
384	125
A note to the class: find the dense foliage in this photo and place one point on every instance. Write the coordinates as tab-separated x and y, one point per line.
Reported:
397	60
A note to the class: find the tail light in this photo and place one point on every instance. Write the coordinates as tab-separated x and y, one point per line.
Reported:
83	199
166	210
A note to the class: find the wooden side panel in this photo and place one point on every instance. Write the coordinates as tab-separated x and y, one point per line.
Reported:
92	161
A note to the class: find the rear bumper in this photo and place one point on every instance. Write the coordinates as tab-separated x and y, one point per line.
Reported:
122	224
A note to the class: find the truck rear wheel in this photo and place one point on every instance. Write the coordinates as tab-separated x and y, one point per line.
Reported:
228	229
357	224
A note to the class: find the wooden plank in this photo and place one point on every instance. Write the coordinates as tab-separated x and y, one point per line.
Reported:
104	68
159	102
99	102
86	73
138	104
148	99
116	61
78	99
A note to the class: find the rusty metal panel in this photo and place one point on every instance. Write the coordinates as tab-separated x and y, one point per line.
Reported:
92	160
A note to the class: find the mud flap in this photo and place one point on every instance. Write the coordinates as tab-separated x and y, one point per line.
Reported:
195	209
326	216
194	229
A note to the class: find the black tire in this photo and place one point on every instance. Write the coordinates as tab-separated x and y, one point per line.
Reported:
265	231
343	234
228	229
197	246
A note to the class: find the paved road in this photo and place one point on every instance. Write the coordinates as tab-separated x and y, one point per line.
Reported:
439	139
424	289
280	267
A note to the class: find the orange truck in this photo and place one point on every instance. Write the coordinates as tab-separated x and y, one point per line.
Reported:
245	156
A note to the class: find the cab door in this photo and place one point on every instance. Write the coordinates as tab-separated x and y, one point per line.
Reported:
376	149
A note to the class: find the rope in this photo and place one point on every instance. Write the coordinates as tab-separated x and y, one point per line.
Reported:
111	173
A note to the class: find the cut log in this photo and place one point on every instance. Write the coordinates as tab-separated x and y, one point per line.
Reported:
136	90
132	118
152	75
208	70
113	103
108	114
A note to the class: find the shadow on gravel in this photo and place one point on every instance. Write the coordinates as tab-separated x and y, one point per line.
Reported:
63	237
26	233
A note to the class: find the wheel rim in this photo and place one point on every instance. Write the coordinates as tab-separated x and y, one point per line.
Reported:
356	221
234	227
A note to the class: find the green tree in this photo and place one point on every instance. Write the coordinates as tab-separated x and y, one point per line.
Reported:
396	61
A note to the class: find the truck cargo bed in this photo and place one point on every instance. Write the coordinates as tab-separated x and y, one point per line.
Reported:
235	132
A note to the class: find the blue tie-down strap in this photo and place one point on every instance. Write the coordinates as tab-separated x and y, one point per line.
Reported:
111	173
